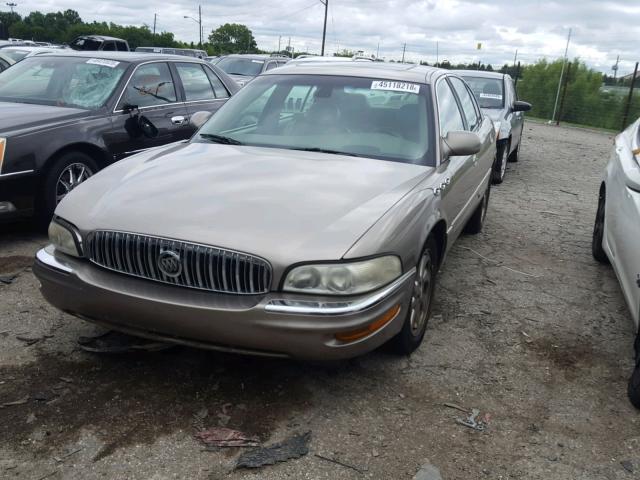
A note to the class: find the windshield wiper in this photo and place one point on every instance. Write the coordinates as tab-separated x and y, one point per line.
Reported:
220	139
326	150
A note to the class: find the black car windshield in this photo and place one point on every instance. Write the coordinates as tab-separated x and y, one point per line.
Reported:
365	117
77	82
241	66
488	91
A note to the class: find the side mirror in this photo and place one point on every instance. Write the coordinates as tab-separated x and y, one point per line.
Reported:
519	106
148	129
199	118
460	143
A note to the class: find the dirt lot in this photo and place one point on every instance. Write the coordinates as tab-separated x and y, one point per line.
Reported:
527	328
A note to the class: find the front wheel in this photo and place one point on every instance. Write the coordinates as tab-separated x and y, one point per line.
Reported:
500	167
476	222
422	290
66	173
598	231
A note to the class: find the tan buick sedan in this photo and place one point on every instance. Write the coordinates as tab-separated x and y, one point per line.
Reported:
308	218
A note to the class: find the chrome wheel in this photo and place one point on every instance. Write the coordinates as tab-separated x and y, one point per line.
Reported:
422	292
72	176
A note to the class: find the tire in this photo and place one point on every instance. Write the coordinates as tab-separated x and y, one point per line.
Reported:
633	387
513	156
500	166
598	230
476	222
66	173
419	311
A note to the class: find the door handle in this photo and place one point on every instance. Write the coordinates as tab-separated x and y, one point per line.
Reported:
178	120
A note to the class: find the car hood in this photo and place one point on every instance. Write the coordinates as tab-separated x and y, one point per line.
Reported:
495	114
19	116
286	206
241	80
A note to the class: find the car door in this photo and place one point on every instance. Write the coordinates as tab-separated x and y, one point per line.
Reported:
203	90
151	88
472	183
453	170
516	118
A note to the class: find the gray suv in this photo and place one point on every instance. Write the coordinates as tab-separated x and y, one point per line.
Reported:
498	100
244	68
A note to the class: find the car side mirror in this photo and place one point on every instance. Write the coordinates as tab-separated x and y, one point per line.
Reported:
148	129
460	143
519	106
199	118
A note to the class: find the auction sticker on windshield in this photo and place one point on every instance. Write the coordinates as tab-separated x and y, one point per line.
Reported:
103	62
491	95
395	86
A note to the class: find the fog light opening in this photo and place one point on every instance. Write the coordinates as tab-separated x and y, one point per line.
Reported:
353	335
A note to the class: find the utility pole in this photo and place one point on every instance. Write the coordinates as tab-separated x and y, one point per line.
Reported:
615	68
324	28
279	40
404	48
155	16
437	54
378	51
12	5
564	61
200	23
515	57
564	94
626	108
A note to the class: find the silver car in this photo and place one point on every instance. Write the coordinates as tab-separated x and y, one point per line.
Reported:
498	99
307	218
616	233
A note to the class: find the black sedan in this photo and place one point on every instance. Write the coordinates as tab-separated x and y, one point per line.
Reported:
64	116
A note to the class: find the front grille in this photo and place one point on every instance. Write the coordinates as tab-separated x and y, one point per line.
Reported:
193	266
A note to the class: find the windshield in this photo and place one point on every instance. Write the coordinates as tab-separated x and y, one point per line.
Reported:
349	115
15	55
241	66
63	81
488	91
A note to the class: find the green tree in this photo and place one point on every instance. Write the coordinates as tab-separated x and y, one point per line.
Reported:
232	38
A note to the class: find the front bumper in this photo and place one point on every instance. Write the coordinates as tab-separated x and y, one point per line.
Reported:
274	324
17	195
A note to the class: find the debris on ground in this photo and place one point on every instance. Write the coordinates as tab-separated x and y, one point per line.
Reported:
342	464
67	455
31	418
116	342
293	447
428	472
7	279
627	465
198	419
226	437
22	401
472	420
29	339
456	407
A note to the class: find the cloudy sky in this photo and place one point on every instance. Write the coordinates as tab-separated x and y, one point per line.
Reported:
601	29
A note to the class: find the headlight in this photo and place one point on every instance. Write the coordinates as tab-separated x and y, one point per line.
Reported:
497	127
3	147
344	278
64	239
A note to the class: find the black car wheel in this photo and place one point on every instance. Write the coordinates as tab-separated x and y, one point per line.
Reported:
500	166
598	231
476	222
66	173
419	312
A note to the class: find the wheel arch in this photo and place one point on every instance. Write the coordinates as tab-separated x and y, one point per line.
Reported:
439	233
98	154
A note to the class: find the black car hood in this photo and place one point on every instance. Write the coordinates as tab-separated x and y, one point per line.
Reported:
20	116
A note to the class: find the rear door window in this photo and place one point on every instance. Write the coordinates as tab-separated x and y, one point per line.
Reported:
195	82
109	46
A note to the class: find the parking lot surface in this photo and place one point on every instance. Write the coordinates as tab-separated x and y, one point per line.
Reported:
527	328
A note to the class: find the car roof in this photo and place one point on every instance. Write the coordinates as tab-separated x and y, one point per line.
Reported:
30	48
119	56
101	37
382	70
250	56
480	73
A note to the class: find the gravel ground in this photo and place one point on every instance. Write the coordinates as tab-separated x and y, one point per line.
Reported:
527	328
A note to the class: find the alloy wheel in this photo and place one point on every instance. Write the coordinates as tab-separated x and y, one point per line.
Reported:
421	296
72	176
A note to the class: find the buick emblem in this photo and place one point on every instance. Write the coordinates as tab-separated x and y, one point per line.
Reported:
169	263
